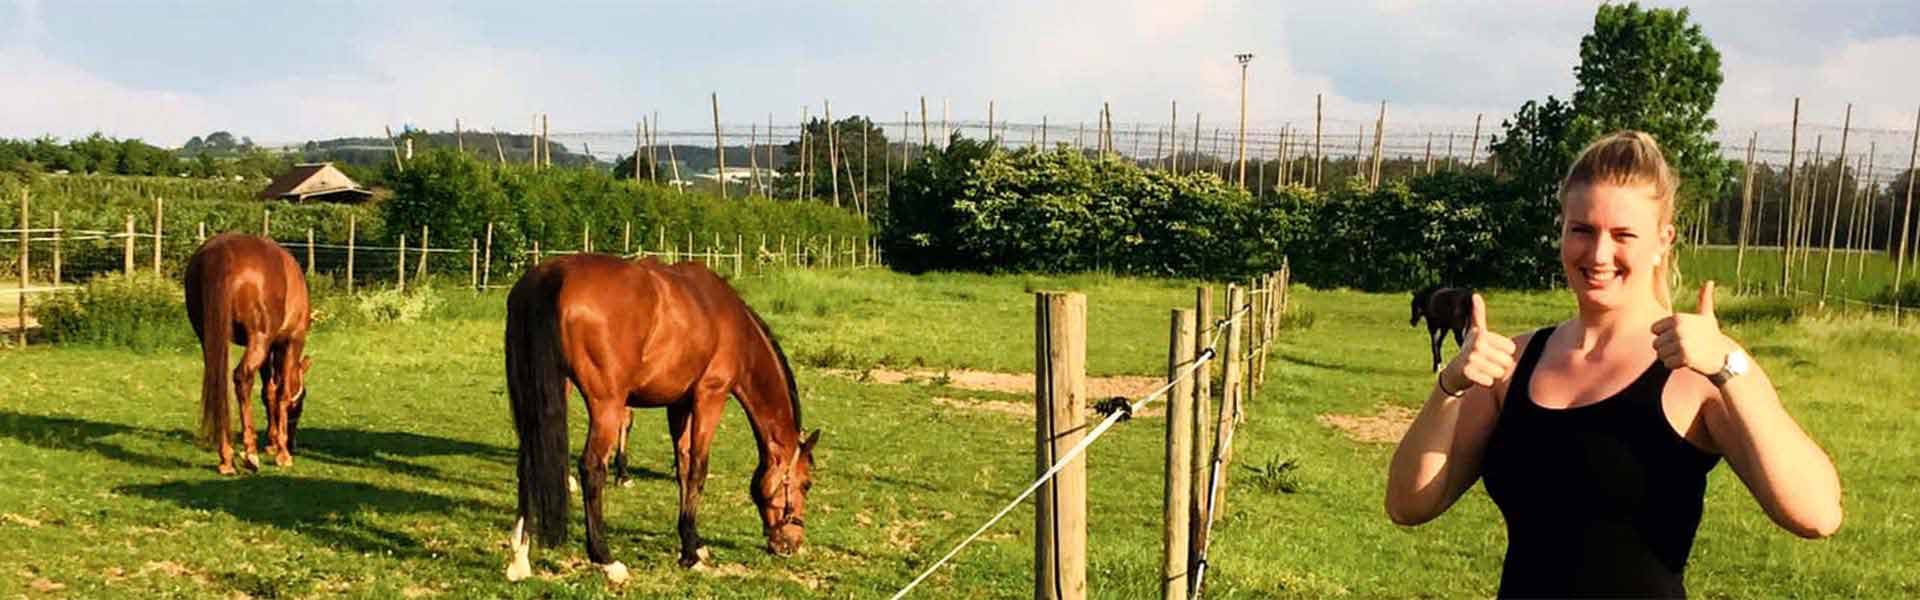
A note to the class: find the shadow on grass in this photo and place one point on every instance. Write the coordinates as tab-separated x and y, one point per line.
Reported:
80	435
1318	364
347	515
386	450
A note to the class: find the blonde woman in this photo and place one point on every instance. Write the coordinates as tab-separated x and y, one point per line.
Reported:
1595	436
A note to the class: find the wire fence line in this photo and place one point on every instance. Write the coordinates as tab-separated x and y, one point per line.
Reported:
1264	302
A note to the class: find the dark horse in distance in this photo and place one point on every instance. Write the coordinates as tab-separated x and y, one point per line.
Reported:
1446	309
247	290
643	334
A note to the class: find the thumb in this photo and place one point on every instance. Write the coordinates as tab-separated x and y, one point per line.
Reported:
1479	313
1705	307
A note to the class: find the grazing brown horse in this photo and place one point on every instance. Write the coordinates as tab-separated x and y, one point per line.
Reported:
642	334
247	290
1446	309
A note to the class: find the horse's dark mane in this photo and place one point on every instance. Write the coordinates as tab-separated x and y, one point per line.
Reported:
793	388
1427	292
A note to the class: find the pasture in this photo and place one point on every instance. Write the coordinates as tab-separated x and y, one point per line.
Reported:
1857	277
403	481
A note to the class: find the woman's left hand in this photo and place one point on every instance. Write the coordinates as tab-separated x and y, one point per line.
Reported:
1693	341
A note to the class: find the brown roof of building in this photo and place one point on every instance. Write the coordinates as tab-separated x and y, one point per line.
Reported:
299	183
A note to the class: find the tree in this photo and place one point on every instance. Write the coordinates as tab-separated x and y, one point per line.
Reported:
1652	70
624	168
1538	146
846	143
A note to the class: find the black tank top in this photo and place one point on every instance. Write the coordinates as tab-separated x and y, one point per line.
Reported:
1601	499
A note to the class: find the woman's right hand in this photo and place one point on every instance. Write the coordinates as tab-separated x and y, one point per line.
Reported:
1483	359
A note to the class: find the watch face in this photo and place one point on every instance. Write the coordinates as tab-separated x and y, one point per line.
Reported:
1737	363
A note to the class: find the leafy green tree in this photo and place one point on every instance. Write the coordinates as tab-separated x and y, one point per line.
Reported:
623	169
1648	69
846	142
1538	146
1652	70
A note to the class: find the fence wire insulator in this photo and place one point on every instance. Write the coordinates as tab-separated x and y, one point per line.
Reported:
1116	404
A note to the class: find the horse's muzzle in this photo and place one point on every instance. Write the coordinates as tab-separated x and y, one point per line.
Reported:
786	539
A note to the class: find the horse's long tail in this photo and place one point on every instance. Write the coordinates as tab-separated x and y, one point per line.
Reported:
207	300
536	383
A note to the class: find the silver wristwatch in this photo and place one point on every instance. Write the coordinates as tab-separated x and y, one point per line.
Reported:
1737	365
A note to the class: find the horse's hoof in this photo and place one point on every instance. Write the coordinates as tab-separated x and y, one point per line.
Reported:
251	461
696	558
626	483
520	569
573	484
283	460
616	572
226	469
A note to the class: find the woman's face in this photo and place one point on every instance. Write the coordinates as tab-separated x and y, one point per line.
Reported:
1611	237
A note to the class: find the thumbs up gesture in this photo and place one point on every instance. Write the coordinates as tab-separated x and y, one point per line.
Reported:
1694	340
1484	358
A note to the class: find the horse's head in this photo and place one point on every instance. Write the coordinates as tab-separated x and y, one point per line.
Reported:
781	494
296	386
1419	305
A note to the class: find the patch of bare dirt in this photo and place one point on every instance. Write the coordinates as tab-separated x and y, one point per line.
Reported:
1131	386
993	406
1385	426
1024	410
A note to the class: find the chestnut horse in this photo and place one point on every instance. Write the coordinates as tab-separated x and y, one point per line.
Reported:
1446	309
246	290
643	334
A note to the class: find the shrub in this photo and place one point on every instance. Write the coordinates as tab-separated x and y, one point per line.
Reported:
391	305
141	311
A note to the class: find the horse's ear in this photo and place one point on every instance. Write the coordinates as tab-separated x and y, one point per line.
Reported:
812	438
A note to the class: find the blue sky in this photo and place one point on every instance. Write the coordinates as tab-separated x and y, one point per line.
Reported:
288	72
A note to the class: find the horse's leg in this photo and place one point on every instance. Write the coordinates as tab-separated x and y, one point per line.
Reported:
277	403
693	427
250	363
620	452
603	430
1437	337
680	426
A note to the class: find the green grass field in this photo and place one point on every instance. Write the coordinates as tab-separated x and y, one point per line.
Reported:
403	485
1856	276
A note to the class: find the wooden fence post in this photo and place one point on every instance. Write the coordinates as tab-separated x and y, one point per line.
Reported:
473	264
201	237
159	208
486	257
1060	389
421	275
309	251
1230	396
56	248
739	254
400	263
126	261
1179	469
25	233
351	234
626	238
266	223
1202	423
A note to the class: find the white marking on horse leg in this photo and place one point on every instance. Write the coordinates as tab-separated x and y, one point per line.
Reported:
521	568
616	572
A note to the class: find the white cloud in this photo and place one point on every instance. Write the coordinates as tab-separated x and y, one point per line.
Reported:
1436	66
